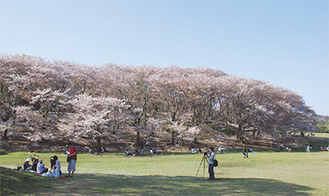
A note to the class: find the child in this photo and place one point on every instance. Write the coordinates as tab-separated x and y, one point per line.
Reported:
308	149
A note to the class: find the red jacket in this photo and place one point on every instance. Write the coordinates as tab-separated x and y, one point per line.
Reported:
72	151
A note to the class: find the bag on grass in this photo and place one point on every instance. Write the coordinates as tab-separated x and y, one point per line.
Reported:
215	163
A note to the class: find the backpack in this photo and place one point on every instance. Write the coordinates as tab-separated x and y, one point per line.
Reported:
215	163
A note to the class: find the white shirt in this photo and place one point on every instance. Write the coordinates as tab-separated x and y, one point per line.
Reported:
40	167
58	164
212	158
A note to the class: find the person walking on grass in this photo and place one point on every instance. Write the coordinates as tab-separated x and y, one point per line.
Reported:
245	153
308	149
72	160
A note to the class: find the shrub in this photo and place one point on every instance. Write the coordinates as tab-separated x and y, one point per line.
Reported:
2	151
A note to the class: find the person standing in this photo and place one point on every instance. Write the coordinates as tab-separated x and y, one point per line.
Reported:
148	145
211	159
58	166
73	160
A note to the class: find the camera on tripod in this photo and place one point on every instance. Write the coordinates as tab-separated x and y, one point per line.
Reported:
205	154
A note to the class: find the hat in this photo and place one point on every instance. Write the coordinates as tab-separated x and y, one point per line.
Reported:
28	159
41	160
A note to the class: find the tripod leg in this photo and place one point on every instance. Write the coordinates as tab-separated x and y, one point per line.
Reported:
202	160
204	167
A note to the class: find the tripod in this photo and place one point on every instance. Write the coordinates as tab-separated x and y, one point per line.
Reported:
203	161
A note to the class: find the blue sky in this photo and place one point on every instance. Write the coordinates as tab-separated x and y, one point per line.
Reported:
282	42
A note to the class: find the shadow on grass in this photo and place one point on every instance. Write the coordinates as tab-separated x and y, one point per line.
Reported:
105	184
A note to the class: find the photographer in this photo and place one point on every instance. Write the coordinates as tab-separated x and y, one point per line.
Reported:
211	159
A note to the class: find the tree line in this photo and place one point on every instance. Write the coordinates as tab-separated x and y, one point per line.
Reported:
62	99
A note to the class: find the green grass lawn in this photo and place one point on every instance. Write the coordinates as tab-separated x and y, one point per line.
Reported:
263	173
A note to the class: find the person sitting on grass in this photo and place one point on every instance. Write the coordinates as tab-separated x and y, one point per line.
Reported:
27	165
41	167
128	152
288	149
34	165
192	151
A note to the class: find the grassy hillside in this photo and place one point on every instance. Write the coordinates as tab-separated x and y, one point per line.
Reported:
15	182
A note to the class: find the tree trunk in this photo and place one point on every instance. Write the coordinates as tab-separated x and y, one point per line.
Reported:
138	139
138	132
98	147
195	139
5	132
239	134
254	134
173	117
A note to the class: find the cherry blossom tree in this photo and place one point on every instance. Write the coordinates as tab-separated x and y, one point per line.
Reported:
94	117
99	101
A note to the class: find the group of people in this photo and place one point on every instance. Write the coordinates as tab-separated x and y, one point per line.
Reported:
193	151
154	151
245	152
136	152
36	166
55	171
128	152
148	147
309	134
